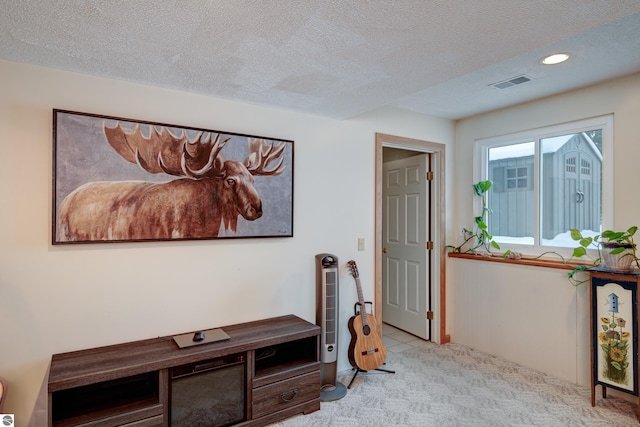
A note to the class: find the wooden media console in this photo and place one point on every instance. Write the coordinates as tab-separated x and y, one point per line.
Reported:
130	384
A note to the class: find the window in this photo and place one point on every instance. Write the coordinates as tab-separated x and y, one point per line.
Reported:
516	178
586	165
547	181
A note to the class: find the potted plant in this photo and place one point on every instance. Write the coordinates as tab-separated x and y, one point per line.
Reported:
616	249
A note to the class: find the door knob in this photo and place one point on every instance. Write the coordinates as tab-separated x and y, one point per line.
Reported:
384	250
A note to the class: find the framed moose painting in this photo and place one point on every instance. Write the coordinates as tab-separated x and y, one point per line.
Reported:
122	180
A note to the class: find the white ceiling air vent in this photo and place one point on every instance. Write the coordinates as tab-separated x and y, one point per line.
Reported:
511	82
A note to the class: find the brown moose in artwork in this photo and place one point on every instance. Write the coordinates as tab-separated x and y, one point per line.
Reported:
209	193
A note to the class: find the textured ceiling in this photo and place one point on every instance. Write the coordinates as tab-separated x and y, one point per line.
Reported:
333	58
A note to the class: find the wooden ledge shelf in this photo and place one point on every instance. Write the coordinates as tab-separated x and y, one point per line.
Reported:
539	262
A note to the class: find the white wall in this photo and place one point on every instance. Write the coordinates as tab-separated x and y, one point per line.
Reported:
60	298
534	316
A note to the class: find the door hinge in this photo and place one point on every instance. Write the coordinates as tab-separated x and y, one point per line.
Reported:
429	246
429	315
429	176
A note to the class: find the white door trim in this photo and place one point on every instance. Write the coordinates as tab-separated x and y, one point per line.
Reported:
438	298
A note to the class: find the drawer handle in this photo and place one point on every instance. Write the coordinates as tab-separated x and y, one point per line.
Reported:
289	395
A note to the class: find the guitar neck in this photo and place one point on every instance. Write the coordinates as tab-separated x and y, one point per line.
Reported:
359	288
363	308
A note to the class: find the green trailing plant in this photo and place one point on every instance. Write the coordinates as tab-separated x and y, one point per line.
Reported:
608	242
573	275
479	239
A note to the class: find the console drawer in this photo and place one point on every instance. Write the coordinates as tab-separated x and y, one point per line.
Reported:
283	394
156	421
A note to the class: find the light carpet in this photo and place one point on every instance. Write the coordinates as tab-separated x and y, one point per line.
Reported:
453	385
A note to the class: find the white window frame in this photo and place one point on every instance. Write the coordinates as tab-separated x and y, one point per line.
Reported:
481	173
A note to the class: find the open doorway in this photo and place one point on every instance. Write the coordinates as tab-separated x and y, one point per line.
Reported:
398	147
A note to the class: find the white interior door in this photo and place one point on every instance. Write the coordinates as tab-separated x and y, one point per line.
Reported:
405	232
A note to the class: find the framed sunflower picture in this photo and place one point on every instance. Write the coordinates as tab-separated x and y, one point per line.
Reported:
614	311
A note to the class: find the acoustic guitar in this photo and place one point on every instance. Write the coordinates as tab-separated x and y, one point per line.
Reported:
366	350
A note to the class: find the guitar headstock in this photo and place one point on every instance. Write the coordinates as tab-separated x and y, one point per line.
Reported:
354	269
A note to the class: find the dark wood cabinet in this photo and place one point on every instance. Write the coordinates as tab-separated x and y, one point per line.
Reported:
130	384
614	322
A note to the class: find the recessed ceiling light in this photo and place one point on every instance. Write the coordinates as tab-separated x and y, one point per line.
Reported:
556	58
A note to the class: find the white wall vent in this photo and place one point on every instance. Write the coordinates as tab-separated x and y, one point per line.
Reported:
511	82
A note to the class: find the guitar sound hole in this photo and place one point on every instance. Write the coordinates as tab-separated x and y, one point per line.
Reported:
366	330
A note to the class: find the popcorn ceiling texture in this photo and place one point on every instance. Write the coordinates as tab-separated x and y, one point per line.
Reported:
332	58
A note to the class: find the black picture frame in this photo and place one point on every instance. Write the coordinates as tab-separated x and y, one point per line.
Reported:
124	180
